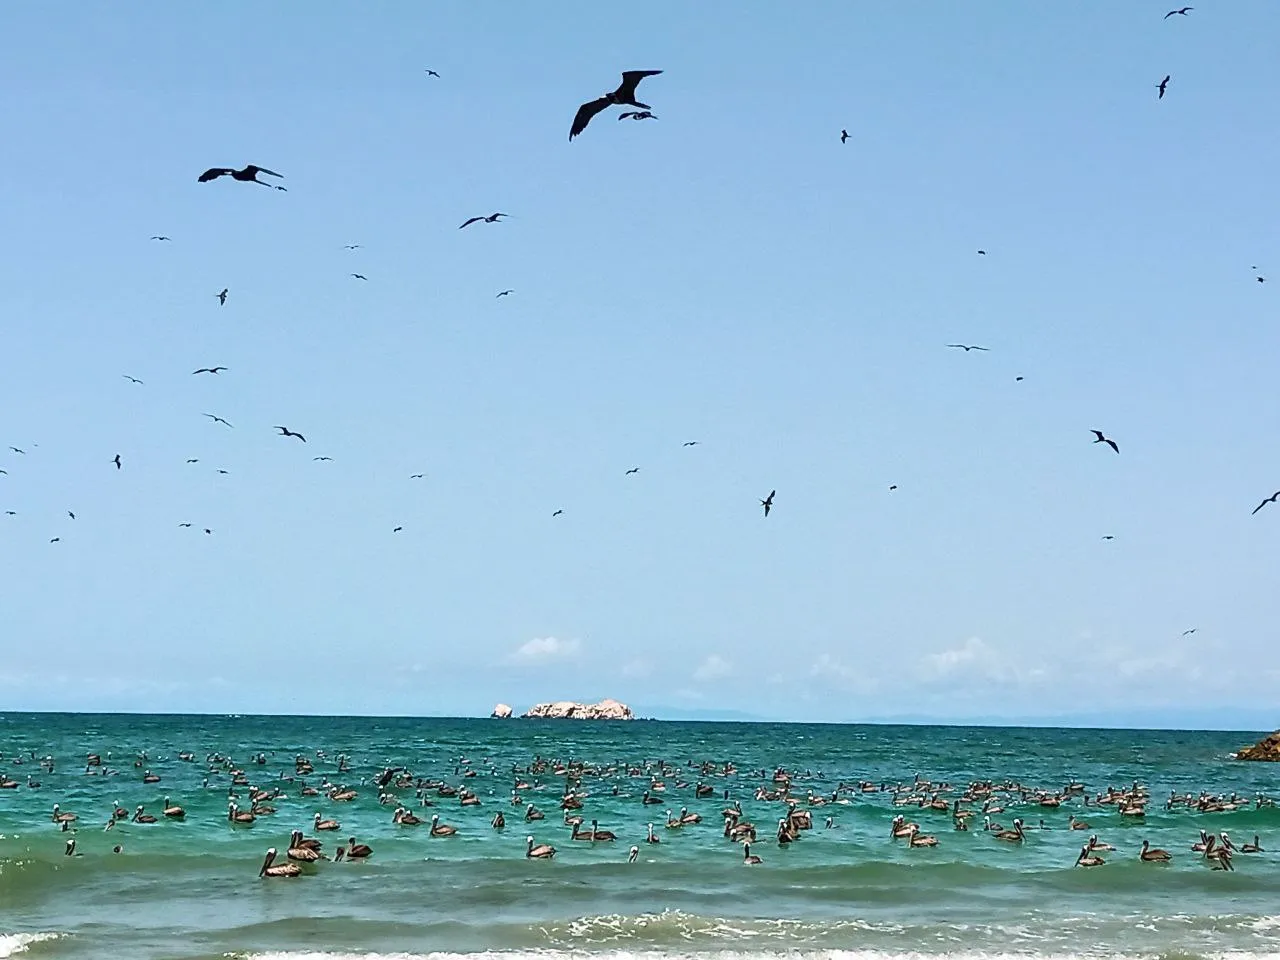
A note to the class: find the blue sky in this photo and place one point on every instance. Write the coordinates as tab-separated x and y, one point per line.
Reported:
729	273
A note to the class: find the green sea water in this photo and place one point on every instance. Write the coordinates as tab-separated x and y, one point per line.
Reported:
190	888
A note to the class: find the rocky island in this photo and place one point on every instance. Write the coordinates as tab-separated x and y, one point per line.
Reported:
1268	748
567	709
501	711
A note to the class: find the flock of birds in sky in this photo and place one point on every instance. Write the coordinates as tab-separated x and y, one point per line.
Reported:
624	95
791	799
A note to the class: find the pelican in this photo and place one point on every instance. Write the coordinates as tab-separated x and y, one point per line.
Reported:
498	821
59	817
405	818
1087	859
1075	824
1254	847
673	823
357	851
70	850
652	838
1014	835
598	834
543	851
633	855
921	840
439	829
172	812
1151	854
236	815
284	870
1096	844
326	824
748	857
533	813
687	817
301	853
140	817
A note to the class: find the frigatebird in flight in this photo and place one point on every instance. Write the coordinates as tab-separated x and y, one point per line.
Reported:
1274	498
506	293
432	73
966	347
209	370
1182	11
1163	85
625	94
116	461
286	432
131	379
216	419
222	296
637	115
631	471
1106	440
248	175
491	218
767	502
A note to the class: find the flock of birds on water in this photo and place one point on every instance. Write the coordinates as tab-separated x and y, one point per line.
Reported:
624	95
790	801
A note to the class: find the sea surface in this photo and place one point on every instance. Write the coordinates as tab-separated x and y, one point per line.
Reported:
190	888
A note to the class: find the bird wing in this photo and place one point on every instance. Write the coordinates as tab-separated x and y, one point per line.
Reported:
1114	445
631	79
257	169
1098	434
584	115
1170	14
213	173
471	221
629	113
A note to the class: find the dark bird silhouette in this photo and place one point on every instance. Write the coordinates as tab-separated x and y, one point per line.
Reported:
624	95
1274	498
1261	279
322	458
491	218
194	460
1163	85
844	135
5	472
505	293
131	379
55	539
160	238
116	461
417	476
225	472
1106	440
216	419
18	450
209	370
396	529
222	297
432	73
351	246
248	175
286	432
557	513
982	253
207	530
893	486
690	443
11	513
360	276
1109	536
71	514
1182	12
637	115
767	502
1018	379
184	524
1187	633
965	347
631	471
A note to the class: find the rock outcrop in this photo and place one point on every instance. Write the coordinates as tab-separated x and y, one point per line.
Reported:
566	709
1268	748
501	711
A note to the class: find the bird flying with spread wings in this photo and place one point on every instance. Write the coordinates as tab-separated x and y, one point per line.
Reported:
209	370
1183	11
1106	440
637	115
131	379
286	432
1163	85
116	461
966	347
1274	498
217	419
624	95
248	175
491	218
222	296
767	502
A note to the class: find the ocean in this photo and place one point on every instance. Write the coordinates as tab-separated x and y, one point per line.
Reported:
190	888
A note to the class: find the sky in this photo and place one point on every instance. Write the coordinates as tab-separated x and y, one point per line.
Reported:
729	273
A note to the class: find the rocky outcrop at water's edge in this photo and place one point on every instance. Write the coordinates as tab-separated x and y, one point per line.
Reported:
501	711
566	709
1268	748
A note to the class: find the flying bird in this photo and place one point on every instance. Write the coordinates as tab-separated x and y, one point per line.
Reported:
1261	279
131	379
491	218
1109	536
160	238
844	135
55	539
184	524
248	175
216	419
360	276
18	450
1018	379
637	115
209	370
71	514
397	529
625	94
194	460
1274	498
432	73
767	502
222	297
965	347
5	472
982	253
207	530
417	476
116	461
690	443
322	458
1182	12
1106	440
225	472
1163	85
893	486
1187	633
351	246
557	513
631	471
286	432
505	293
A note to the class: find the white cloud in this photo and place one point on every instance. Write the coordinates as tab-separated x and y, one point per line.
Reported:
972	653
715	667
544	649
841	675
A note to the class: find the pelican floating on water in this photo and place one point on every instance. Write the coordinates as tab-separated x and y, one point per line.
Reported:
283	870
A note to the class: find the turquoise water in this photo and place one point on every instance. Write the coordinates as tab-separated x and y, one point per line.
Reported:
189	889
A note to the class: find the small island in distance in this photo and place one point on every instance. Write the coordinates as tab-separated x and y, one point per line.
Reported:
606	709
